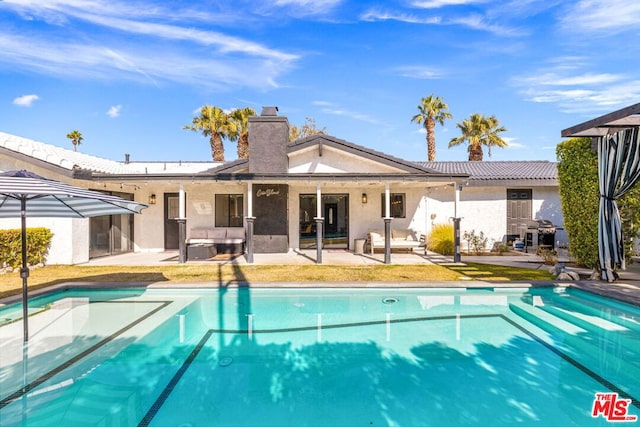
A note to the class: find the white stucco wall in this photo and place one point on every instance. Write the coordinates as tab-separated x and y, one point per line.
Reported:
332	160
546	205
484	209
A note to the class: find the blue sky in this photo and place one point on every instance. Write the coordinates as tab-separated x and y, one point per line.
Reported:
129	74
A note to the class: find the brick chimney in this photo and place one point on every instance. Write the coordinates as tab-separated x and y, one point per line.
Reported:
268	139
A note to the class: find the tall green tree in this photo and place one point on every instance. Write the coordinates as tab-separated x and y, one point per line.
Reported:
307	129
241	118
76	138
479	131
214	123
432	109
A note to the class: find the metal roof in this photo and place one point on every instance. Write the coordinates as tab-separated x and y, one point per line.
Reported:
524	172
541	170
71	160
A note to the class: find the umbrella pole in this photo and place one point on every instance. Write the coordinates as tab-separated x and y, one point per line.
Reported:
24	271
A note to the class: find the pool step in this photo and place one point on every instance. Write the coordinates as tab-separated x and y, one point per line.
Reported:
582	344
546	321
588	322
590	308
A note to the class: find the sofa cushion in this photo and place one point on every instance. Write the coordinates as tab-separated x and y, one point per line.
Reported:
217	234
236	233
198	233
376	237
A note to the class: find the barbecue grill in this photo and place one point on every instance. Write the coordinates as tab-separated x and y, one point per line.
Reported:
541	234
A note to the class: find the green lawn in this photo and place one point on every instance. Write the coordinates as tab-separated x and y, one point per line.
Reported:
222	274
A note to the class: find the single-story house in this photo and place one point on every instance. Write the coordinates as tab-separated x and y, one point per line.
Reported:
274	194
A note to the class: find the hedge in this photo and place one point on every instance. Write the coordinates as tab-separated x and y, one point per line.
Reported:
580	198
38	243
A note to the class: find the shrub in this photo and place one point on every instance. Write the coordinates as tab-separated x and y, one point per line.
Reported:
441	239
38	242
475	242
548	256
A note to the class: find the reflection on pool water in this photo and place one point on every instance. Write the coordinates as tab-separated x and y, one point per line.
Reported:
370	357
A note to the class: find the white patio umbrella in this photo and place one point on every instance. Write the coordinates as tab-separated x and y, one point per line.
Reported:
25	194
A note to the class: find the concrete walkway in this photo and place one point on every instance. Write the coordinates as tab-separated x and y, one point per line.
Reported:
298	257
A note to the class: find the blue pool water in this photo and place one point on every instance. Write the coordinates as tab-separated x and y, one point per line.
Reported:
372	357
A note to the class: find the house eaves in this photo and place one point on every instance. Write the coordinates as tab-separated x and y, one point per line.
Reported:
286	177
344	177
607	124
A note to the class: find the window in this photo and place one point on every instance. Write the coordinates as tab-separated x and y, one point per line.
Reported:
229	210
397	208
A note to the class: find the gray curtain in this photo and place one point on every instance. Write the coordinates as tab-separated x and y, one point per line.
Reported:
618	172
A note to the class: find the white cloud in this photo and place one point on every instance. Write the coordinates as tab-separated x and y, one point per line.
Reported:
25	100
309	7
573	90
556	79
336	110
475	21
323	103
205	57
138	63
377	15
435	4
419	72
114	111
611	16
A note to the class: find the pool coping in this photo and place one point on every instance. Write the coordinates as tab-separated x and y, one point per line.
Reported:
625	292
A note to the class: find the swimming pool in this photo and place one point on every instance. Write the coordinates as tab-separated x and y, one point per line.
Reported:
397	357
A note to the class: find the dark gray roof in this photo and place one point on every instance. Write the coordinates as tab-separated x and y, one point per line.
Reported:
536	170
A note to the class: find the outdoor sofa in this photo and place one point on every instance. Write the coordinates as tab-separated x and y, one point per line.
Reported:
208	242
403	239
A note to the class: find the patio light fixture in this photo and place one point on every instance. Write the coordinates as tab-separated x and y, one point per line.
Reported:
364	198
152	199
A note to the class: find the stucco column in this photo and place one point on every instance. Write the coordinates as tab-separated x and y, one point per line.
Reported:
456	225
387	240
387	224
182	226
182	240
250	221
319	225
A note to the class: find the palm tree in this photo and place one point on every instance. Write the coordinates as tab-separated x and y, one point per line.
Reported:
479	131
76	138
241	118
216	124
432	109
